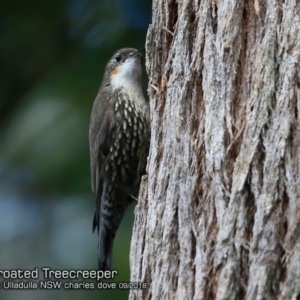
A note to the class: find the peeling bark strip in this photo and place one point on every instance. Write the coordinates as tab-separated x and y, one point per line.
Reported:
219	213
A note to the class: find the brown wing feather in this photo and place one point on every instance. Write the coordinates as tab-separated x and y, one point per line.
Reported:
102	121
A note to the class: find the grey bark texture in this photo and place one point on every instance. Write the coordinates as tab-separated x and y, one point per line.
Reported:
219	211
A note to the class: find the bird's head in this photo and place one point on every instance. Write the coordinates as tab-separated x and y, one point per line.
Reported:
124	68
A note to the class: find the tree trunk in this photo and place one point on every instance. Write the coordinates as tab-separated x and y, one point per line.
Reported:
219	211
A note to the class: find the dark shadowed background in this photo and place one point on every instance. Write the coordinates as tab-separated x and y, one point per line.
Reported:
52	56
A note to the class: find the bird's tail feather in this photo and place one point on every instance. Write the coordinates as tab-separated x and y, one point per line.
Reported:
102	220
104	250
110	215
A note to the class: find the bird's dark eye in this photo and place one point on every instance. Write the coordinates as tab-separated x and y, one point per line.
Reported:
118	57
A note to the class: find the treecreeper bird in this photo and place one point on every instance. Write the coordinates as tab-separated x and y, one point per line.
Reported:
119	138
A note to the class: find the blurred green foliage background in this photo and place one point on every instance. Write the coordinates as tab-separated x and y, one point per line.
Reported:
52	56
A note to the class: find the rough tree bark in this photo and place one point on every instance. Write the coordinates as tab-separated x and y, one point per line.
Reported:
219	211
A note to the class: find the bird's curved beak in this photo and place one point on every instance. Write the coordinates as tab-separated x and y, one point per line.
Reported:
139	52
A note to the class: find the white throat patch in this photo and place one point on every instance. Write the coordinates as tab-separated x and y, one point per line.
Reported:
127	74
